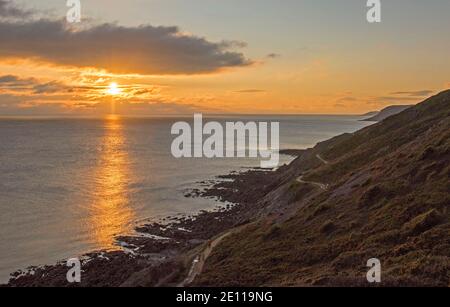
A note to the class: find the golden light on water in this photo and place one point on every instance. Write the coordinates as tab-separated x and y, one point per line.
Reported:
112	117
111	213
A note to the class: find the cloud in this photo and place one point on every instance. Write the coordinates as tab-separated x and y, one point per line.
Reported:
14	82
50	88
7	10
26	96
11	105
20	85
273	55
400	97
37	91
8	79
233	44
393	100
144	50
421	93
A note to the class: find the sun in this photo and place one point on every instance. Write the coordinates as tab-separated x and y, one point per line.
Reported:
113	89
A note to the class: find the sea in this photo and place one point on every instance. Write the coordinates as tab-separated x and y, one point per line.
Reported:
69	186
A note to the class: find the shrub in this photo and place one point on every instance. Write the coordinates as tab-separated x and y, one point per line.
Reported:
327	227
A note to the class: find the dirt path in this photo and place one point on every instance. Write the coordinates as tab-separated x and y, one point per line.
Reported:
199	261
317	184
322	159
323	186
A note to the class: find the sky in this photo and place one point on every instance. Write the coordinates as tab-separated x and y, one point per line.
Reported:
150	57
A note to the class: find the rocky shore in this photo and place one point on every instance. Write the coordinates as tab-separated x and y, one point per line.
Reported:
161	253
381	192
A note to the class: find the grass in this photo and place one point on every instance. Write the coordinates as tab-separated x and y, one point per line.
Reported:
399	213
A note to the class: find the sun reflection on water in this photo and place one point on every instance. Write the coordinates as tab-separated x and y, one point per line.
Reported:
111	213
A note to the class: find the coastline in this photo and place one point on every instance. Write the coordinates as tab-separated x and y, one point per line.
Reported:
321	216
163	251
154	187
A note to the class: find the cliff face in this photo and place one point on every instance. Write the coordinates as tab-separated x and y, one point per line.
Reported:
385	194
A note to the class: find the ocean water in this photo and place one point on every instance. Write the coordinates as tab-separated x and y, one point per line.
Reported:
69	186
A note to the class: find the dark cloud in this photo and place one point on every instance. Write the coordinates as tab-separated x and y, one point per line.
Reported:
421	93
15	84
233	44
8	79
20	85
143	50
49	88
393	100
14	81
273	55
8	10
410	97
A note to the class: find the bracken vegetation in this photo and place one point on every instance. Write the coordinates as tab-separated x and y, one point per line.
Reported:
389	198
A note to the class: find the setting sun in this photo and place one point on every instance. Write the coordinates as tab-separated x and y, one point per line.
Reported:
114	89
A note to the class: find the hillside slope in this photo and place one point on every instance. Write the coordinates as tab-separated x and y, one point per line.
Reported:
388	197
387	112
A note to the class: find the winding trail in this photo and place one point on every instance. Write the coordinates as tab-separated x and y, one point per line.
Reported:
322	159
323	186
199	261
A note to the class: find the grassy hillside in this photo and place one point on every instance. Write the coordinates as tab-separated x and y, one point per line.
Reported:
388	198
